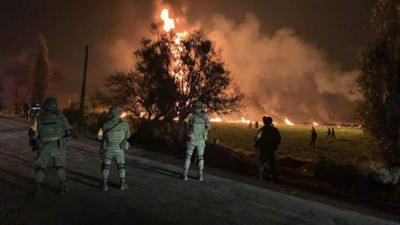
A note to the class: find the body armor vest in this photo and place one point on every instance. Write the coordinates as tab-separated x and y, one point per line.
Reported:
115	136
50	127
198	127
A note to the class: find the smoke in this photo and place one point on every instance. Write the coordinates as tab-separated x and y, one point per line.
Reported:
282	74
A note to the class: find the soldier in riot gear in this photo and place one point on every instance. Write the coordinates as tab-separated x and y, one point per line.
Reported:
114	135
48	136
198	127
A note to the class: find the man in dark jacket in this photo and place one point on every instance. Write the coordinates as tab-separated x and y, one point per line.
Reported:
267	141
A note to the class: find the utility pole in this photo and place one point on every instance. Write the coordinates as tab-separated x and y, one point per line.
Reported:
83	90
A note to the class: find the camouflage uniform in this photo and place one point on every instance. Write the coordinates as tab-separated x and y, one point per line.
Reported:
113	133
199	126
49	134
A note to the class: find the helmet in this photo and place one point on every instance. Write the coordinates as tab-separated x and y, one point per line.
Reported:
198	104
115	111
267	120
50	104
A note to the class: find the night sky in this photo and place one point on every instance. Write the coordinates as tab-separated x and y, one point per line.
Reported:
113	29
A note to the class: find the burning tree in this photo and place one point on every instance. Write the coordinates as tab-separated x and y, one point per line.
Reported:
172	70
379	79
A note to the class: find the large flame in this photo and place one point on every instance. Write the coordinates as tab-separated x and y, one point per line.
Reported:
287	121
168	22
176	48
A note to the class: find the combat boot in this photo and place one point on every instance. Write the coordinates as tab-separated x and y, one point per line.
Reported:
185	174
200	176
124	186
36	192
104	186
64	187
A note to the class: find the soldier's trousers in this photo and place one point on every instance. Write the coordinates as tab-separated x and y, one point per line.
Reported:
267	155
51	150
191	146
119	156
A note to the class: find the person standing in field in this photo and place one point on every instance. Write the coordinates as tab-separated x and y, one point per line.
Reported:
333	134
267	141
250	125
256	124
328	134
313	137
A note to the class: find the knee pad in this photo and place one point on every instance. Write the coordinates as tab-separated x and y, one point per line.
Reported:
121	166
106	166
59	167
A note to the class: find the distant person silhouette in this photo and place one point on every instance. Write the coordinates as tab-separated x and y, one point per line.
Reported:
26	110
250	125
256	124
313	137
333	133
328	134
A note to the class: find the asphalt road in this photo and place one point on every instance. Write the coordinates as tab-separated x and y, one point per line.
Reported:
155	194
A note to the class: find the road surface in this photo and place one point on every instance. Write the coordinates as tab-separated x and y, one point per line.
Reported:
155	194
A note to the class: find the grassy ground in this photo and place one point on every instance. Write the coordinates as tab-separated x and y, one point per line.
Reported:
351	147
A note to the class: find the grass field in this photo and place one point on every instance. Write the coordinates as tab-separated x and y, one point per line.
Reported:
351	147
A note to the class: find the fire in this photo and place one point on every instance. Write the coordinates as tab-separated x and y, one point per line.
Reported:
168	22
216	119
122	115
287	121
176	48
315	124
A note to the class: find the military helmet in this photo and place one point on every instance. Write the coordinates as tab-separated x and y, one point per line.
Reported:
50	104
115	111
198	104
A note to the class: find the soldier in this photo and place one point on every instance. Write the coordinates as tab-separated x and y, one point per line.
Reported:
267	141
198	128
48	136
114	135
313	137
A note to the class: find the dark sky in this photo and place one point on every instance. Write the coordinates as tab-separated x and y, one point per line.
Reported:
334	27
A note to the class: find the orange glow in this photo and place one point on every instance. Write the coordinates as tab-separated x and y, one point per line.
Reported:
122	115
216	119
315	124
